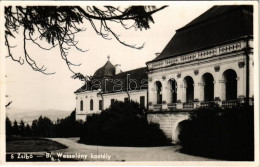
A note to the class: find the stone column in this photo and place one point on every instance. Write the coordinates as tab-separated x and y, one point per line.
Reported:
241	80
201	91
179	94
222	89
151	94
184	93
217	85
196	90
164	94
167	92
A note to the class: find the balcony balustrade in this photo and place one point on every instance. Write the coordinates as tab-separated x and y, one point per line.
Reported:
207	104
172	106
202	104
230	103
157	107
188	105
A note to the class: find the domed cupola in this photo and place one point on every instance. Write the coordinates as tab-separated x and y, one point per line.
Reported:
107	71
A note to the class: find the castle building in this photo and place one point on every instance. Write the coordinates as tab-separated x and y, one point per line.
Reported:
110	84
208	61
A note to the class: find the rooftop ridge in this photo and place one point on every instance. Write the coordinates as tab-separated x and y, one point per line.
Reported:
130	71
194	23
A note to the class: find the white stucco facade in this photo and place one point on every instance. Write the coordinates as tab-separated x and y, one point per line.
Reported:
216	62
105	99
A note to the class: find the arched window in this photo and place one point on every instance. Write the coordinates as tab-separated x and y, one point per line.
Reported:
207	80
231	84
189	89
91	104
81	105
173	90
159	92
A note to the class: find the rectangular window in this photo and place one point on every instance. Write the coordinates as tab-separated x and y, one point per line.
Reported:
142	101
100	104
126	99
91	105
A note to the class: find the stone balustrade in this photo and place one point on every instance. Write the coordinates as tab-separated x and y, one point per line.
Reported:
223	49
202	104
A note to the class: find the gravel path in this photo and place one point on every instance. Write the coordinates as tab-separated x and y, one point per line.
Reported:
165	153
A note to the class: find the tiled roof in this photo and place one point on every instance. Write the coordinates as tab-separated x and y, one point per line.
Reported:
135	79
218	25
119	82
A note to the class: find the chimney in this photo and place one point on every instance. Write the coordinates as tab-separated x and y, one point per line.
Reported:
118	68
157	54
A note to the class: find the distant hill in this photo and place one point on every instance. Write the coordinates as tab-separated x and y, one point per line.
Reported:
28	115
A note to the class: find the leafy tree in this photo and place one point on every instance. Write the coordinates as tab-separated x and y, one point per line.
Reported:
15	128
73	115
22	128
44	126
68	127
28	131
34	128
8	126
57	26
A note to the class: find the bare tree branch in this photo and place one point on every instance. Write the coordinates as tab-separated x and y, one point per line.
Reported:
57	25
30	61
8	104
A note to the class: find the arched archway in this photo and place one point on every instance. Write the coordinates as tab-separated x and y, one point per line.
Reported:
173	90
188	85
81	105
91	105
158	85
230	78
207	80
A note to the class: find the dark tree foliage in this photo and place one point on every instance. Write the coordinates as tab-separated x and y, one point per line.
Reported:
44	127
28	131
219	133
15	128
123	124
22	128
8	126
34	128
68	127
57	26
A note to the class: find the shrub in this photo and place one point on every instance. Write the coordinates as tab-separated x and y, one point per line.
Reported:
123	124
219	133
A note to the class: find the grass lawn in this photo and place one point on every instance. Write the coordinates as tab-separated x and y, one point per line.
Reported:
28	144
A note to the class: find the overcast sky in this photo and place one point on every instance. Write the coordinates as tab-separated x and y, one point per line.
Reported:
32	90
